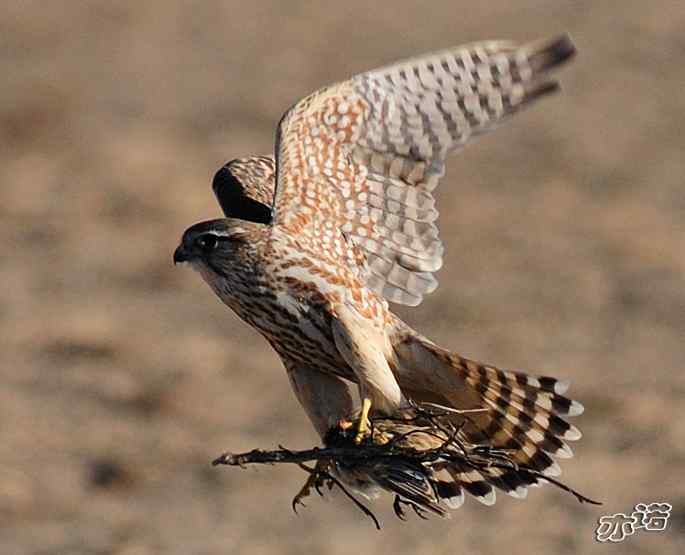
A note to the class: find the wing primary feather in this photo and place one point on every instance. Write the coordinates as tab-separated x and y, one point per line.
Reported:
368	152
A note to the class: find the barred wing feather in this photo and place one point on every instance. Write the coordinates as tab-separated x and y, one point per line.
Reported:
365	155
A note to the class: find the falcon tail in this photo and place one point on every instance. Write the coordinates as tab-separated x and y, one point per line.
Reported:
507	410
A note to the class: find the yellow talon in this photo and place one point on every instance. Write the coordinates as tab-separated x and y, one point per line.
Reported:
363	417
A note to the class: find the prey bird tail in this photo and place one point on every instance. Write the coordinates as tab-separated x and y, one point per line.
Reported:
515	413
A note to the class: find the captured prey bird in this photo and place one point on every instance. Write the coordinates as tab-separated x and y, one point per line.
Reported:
319	239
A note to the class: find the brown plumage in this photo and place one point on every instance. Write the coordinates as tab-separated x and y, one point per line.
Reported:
316	244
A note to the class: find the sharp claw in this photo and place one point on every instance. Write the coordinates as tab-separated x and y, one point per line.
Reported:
295	503
304	492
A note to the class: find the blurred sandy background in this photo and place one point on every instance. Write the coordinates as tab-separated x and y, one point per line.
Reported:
122	377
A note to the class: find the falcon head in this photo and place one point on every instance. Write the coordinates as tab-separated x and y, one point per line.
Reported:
222	250
219	249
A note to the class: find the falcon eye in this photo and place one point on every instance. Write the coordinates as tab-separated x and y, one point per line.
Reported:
207	242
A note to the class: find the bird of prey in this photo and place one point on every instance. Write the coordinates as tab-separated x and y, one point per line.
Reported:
318	240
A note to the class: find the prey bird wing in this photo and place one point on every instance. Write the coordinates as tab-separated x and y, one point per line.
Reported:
366	154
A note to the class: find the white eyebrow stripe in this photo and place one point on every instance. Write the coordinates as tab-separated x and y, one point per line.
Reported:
234	231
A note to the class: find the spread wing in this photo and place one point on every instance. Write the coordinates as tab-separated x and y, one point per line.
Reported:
244	188
364	156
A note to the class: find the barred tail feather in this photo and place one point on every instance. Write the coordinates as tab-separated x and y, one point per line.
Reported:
448	489
515	412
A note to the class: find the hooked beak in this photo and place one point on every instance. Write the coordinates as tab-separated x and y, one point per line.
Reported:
181	255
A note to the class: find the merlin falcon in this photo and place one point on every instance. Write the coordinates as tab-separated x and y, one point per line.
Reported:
320	238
